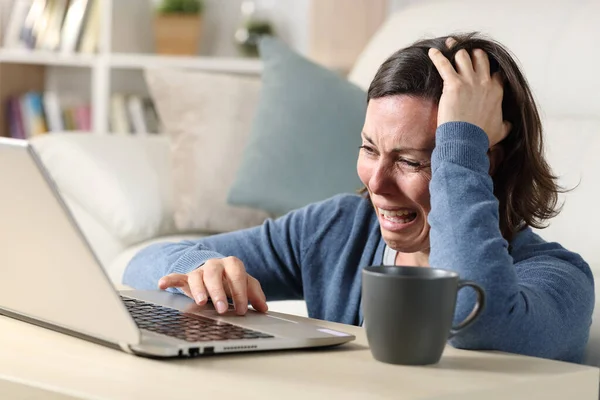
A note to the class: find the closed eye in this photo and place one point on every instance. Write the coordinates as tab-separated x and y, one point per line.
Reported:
411	164
368	150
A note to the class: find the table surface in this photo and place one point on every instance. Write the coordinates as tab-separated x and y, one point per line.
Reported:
39	363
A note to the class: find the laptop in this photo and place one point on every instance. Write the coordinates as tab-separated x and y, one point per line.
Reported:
52	278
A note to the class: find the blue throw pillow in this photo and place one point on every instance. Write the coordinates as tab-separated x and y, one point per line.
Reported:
303	145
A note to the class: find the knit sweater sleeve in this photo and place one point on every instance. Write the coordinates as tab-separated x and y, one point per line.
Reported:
274	253
539	301
271	252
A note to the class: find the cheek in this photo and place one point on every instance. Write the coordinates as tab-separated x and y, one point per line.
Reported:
416	188
364	170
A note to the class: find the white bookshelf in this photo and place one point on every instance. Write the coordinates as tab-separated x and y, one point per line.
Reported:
18	56
104	66
225	64
314	28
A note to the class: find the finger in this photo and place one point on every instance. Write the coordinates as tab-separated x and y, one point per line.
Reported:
256	296
464	65
443	66
197	288
498	80
213	281
175	280
237	279
450	42
481	63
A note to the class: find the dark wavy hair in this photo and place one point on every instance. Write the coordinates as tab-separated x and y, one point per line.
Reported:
524	185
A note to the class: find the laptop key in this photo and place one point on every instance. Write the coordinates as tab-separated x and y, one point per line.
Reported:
185	326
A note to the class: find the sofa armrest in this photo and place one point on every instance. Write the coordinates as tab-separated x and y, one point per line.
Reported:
122	182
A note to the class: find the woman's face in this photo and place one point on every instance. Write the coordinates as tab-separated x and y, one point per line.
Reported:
394	164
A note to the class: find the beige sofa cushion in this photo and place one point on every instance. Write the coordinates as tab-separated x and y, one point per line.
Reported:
119	181
572	146
207	117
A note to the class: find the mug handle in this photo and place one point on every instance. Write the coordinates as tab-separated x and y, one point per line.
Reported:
479	306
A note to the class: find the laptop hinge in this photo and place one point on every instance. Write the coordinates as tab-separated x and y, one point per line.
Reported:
125	347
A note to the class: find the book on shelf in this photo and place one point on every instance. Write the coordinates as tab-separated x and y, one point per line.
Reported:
16	24
35	113
32	112
65	26
133	114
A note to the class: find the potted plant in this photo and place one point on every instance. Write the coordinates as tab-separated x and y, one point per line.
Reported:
177	26
248	36
255	23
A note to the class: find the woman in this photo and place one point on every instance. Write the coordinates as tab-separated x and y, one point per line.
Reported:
454	175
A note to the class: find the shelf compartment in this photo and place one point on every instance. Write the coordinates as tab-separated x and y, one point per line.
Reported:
221	64
46	58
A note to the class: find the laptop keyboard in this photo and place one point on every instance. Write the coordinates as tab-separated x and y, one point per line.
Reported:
189	327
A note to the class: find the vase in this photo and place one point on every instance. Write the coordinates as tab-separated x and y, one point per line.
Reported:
177	34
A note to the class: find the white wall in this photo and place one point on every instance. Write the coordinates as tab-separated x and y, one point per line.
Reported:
395	5
132	25
132	33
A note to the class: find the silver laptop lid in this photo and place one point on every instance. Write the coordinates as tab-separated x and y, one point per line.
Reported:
49	272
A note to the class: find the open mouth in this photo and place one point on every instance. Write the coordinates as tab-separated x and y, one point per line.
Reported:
398	216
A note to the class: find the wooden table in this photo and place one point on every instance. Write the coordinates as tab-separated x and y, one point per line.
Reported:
36	363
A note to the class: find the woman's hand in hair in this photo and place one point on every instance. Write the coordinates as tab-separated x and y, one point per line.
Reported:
470	94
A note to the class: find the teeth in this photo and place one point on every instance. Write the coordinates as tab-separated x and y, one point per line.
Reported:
400	213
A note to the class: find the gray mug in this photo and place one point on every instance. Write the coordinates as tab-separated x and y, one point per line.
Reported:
408	312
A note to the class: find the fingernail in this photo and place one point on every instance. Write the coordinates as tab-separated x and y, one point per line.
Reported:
200	297
221	306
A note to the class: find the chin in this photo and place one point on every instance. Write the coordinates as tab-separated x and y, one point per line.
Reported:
405	244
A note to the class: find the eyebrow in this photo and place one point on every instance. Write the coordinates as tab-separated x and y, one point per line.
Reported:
400	149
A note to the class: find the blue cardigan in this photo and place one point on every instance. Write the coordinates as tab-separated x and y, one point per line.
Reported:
540	297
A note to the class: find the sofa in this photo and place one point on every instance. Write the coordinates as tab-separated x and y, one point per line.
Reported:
120	190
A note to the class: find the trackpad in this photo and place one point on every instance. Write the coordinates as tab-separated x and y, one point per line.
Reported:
252	317
255	318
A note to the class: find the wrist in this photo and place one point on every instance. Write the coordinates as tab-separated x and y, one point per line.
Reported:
462	131
192	260
461	143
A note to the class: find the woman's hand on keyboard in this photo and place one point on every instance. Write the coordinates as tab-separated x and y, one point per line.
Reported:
218	279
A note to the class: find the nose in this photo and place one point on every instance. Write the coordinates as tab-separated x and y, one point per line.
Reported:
381	181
